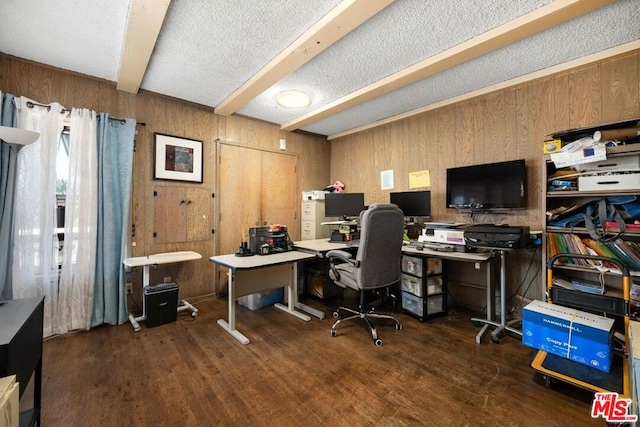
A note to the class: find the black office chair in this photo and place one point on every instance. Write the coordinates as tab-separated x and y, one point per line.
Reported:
376	264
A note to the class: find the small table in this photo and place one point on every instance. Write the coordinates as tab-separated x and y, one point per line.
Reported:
164	258
248	275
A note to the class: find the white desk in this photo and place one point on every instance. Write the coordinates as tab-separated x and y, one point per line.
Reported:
164	258
248	275
320	247
499	326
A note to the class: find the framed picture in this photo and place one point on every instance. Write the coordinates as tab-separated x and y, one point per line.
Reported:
177	159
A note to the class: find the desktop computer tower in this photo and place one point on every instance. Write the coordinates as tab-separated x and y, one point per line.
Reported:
161	303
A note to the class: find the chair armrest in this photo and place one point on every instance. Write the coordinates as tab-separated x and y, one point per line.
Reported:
343	256
339	257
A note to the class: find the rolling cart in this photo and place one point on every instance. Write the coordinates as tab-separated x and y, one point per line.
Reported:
556	368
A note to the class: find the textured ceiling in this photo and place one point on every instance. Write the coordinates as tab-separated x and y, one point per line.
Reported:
206	50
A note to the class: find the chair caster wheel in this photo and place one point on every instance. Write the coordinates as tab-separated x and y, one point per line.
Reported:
377	342
495	339
333	332
194	314
336	314
398	326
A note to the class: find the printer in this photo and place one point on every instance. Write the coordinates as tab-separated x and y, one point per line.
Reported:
500	236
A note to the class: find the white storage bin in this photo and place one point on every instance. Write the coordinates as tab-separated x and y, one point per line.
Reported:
628	163
262	299
627	181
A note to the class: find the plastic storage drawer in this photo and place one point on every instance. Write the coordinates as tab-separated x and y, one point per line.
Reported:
434	285
413	285
421	266
423	308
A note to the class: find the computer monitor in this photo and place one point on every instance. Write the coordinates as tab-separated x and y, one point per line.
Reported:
414	204
343	205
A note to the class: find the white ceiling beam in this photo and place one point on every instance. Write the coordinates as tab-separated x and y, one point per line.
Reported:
556	69
533	22
344	18
145	20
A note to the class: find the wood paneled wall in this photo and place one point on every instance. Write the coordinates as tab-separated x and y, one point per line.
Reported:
173	117
508	124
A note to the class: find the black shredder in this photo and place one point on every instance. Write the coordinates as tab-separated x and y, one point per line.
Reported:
161	303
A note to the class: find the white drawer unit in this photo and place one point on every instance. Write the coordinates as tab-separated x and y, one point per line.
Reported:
610	181
312	217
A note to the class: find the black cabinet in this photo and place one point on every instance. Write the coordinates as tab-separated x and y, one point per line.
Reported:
21	348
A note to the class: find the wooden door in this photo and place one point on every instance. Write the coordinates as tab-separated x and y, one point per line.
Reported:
169	219
182	214
239	195
199	207
257	188
279	192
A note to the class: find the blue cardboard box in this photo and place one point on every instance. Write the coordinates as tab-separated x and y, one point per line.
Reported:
573	334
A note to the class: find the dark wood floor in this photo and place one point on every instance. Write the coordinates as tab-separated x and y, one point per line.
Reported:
293	373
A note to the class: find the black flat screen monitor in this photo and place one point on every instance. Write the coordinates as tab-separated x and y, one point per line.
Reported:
490	186
343	205
414	204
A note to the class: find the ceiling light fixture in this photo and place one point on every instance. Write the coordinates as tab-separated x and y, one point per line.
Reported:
293	99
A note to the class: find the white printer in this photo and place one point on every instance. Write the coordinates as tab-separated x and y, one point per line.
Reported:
443	233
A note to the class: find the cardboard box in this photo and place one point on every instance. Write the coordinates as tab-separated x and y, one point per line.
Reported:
573	334
320	286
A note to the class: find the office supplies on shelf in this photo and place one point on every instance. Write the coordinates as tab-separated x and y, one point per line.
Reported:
558	368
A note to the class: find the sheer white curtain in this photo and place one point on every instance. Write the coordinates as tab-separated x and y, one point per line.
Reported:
35	271
80	225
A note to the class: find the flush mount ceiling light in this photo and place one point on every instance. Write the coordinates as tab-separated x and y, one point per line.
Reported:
293	99
18	136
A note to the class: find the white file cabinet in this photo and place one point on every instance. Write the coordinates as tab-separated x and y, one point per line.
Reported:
312	219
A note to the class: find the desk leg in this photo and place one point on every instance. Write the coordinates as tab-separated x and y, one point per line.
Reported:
292	296
134	320
231	325
502	325
490	298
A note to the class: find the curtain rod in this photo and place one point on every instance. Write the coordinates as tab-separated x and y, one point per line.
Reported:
64	110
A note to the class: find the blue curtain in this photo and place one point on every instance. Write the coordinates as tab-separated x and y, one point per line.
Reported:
115	170
8	163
